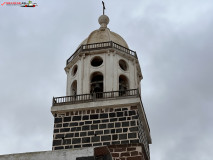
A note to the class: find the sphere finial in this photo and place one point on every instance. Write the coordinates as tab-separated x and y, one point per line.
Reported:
103	21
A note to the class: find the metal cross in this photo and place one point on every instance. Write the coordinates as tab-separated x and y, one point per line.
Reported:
103	7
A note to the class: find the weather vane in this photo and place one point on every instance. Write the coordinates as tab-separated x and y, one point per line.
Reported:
103	7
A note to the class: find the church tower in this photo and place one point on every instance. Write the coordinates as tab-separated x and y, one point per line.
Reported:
102	107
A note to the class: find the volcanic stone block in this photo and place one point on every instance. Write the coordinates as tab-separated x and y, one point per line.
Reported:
97	144
132	129
57	148
96	139
111	115
82	134
57	142
117	124
112	130
125	129
132	113
134	141
69	135
93	127
76	118
74	124
106	131
77	146
86	117
125	124
102	126
120	114
105	120
111	125
96	121
116	142
88	122
58	125
86	140
59	136
122	119
87	127
58	120
67	119
91	133
132	135
67	141
125	142
65	124
119	130
113	119
114	137
87	145
104	115
65	130
56	130
76	140
133	123
122	136
106	138
98	132
76	134
94	116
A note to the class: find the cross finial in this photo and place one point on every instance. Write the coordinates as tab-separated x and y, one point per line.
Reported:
103	7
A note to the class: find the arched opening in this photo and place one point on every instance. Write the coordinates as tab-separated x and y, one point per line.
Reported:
74	88
96	84
123	85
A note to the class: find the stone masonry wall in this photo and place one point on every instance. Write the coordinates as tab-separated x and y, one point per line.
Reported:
96	127
127	152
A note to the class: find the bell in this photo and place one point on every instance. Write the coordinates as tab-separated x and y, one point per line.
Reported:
97	86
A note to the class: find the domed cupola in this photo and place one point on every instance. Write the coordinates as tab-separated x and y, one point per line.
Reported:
103	34
103	62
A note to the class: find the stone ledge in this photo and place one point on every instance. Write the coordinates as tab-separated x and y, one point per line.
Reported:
97	104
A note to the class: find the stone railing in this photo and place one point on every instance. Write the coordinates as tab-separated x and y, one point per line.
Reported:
82	98
102	45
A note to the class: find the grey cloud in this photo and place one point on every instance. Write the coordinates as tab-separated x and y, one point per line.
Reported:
173	40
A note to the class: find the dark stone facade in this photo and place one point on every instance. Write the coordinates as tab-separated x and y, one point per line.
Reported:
98	127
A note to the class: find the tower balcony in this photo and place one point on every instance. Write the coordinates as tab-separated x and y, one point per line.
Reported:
102	45
96	96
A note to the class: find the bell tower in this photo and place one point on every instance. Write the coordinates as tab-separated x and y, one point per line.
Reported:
102	107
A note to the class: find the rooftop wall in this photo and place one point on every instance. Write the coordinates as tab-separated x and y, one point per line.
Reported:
51	155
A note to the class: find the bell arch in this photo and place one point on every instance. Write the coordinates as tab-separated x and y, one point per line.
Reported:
96	82
123	84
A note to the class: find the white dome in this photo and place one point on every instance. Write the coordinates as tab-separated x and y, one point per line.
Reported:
103	34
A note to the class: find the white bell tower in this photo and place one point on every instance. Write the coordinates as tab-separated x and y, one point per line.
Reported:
102	106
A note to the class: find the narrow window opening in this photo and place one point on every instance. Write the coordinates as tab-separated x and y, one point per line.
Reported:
74	88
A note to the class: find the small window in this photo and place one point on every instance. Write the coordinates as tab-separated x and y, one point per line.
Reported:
74	70
74	88
123	65
96	61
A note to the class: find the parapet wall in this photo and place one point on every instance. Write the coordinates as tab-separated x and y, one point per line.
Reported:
51	155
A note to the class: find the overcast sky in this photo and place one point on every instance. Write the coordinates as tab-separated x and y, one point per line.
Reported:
174	43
